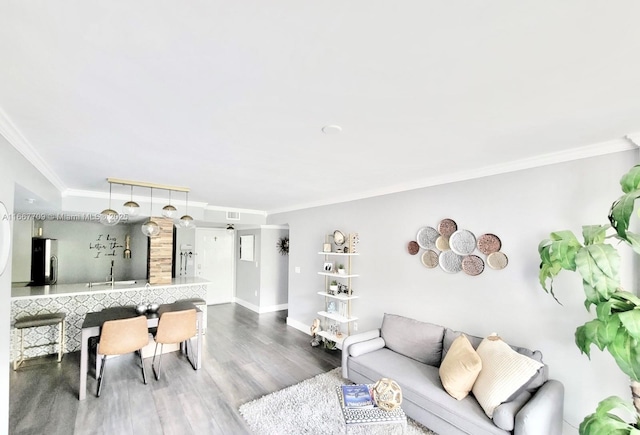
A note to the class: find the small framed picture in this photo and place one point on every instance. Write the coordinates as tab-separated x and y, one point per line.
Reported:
328	266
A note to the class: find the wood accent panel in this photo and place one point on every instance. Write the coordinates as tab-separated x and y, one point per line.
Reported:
161	252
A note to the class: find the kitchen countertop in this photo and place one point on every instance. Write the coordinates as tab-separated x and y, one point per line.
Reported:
24	292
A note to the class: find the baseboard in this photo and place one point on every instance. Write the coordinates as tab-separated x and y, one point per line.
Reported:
260	310
299	326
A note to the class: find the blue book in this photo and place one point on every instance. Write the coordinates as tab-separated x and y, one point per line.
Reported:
357	396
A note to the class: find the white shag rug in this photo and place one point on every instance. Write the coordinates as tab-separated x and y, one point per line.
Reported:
310	407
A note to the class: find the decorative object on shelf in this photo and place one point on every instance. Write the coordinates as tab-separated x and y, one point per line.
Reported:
426	237
109	216
446	227
472	265
341	269
315	328
283	245
413	247
328	266
354	239
462	242
5	237
454	249
342	288
430	259
326	247
497	260
150	228
387	394
338	239
450	262
333	286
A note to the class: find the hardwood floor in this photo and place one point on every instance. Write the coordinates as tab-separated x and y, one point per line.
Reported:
245	356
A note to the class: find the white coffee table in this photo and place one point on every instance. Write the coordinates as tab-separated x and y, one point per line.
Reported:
354	417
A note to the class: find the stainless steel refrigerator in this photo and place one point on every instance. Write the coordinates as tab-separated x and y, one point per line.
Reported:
44	261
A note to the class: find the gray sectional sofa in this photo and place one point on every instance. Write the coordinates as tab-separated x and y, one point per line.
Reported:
410	352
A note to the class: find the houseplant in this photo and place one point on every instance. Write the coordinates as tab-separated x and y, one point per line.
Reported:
616	326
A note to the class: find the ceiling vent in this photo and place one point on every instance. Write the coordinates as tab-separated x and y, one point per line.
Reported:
233	216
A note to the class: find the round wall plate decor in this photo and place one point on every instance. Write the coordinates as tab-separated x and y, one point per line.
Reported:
488	243
413	247
442	243
5	238
450	262
446	227
497	260
462	242
430	259
426	237
472	265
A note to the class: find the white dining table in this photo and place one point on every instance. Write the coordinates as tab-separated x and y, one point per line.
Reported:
93	323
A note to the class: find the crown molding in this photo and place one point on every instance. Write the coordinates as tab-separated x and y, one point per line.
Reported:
239	210
22	145
629	142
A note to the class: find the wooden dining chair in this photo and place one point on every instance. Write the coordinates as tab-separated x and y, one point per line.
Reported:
174	327
118	337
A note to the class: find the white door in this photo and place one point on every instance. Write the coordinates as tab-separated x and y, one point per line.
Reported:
215	262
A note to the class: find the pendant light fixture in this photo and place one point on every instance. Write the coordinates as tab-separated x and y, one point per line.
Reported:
169	211
109	217
186	221
131	207
150	228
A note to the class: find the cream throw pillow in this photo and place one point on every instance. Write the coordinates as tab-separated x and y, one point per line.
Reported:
503	372
460	368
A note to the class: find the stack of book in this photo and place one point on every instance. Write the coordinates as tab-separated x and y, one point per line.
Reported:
357	396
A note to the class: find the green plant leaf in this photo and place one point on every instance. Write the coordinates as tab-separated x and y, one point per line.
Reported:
625	350
599	266
621	211
631	321
603	422
632	300
596	332
634	241
594	233
631	180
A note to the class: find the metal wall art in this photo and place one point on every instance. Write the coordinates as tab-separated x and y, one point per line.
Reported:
456	250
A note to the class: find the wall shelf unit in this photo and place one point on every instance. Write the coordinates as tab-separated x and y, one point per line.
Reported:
337	319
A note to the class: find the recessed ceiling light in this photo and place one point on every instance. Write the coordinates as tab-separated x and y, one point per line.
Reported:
30	200
331	129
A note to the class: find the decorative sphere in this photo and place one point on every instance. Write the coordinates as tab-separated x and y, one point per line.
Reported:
387	394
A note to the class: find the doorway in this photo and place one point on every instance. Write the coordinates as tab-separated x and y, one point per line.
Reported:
215	262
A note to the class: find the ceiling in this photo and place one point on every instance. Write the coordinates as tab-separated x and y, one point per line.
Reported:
230	98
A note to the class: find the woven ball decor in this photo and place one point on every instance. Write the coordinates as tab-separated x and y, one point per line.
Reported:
387	394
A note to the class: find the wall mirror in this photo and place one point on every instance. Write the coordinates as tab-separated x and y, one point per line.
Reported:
246	248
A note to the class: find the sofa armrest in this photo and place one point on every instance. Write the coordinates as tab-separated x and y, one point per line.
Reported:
353	339
542	415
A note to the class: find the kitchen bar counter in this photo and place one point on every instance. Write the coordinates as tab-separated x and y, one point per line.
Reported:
75	300
22	292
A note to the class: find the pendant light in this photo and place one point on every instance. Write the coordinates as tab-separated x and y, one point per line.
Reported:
186	221
131	207
169	211
109	217
150	228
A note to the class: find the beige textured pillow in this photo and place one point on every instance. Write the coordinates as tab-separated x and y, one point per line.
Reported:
503	372
460	368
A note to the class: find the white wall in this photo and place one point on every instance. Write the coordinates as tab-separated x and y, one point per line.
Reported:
14	168
521	208
274	272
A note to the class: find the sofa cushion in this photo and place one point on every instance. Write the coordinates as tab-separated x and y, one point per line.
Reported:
460	368
358	349
421	386
421	341
536	382
504	372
